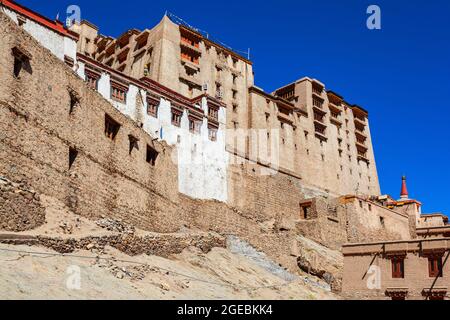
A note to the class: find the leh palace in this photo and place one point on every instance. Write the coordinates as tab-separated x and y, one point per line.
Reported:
164	130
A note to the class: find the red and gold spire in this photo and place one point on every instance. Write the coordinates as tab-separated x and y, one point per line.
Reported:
404	191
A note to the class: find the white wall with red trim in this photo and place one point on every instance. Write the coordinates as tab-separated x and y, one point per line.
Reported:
57	43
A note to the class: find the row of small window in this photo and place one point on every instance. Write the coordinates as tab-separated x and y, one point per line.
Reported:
361	204
119	94
435	269
194	125
112	128
219	72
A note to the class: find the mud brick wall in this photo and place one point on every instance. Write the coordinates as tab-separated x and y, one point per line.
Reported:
20	207
37	130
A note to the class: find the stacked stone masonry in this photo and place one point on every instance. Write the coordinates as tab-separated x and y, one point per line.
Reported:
106	153
106	178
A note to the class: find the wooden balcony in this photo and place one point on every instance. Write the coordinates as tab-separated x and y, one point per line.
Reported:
190	47
189	64
319	130
359	121
319	110
361	148
360	130
336	121
320	136
360	135
363	158
319	124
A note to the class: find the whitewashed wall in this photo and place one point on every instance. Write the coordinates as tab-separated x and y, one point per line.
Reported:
202	163
55	42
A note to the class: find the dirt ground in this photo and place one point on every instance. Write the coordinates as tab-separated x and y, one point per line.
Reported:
218	274
38	272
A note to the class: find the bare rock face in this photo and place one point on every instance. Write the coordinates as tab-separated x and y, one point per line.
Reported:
320	261
20	207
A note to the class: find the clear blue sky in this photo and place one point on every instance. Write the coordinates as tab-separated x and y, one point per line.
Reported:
400	74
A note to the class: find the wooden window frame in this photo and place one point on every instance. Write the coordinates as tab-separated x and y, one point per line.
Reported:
305	210
317	103
398	267
213	113
119	92
435	267
195	125
92	79
152	107
176	117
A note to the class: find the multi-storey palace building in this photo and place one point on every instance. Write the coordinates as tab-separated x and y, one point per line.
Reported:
165	128
320	137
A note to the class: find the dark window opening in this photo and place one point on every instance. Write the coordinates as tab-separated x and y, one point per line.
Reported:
74	101
435	267
21	20
398	268
382	221
152	155
305	210
21	61
73	153
111	127
17	66
133	143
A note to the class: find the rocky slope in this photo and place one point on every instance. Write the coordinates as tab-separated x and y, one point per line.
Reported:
70	257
